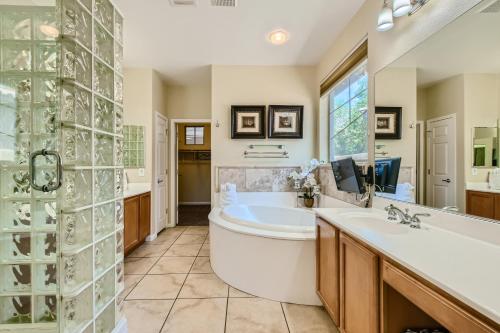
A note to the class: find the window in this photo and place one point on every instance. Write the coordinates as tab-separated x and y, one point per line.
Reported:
348	115
194	135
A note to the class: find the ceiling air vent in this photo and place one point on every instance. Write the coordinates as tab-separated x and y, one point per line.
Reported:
183	3
224	3
492	7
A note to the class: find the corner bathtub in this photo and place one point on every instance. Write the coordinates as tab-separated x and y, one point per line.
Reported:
266	251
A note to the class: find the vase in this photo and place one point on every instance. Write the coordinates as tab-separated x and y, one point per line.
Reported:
309	202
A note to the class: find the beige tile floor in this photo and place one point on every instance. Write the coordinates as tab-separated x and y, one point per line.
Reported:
170	288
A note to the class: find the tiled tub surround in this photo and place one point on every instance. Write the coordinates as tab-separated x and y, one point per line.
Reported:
256	179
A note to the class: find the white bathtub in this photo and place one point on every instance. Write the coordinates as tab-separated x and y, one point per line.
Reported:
266	251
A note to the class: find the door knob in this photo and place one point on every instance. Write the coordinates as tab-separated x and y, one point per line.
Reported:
448	180
160	181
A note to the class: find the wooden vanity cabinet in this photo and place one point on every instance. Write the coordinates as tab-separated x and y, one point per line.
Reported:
359	295
483	204
137	211
327	268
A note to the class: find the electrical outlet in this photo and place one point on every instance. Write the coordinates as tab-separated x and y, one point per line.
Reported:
141	172
474	171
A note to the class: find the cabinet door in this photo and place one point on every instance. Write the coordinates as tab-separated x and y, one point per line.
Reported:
481	204
358	288
131	232
145	217
327	268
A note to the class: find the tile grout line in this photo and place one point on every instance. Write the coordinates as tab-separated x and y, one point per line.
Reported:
284	316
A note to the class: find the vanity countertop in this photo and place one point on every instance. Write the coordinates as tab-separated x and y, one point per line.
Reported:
134	189
481	187
465	267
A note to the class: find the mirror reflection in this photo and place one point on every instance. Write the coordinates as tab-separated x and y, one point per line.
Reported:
437	110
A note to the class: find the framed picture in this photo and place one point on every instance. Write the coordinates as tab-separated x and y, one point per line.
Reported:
248	122
286	121
388	123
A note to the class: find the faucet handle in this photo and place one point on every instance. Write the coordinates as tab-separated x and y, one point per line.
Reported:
415	216
415	221
389	208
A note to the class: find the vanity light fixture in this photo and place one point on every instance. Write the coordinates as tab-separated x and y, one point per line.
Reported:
385	20
278	37
397	8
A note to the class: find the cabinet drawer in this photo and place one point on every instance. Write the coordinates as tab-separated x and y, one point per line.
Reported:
443	310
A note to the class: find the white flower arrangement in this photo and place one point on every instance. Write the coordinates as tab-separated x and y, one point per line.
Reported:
305	181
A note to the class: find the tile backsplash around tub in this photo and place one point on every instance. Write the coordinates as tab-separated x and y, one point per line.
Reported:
256	179
329	188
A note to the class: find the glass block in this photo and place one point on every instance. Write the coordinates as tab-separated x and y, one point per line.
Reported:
16	215
75	105
118	89
118	27
76	22
119	183
15	183
45	119
15	246
118	120
119	245
76	271
15	310
45	214
15	278
120	277
76	190
16	56
104	290
16	24
48	176
103	80
118	58
103	114
76	231
120	309
119	214
104	13
45	278
49	142
76	64
105	323
76	147
118	152
45	90
22	150
16	91
103	47
103	150
45	246
104	220
76	311
46	309
104	185
104	255
87	4
46	25
46	57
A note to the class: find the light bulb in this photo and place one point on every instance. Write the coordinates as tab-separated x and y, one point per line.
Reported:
385	19
278	37
401	7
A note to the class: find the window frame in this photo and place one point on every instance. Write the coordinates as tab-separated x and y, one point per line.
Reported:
195	130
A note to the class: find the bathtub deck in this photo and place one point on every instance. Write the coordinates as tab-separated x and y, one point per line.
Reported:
170	287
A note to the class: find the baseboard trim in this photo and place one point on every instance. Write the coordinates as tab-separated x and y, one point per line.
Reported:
195	203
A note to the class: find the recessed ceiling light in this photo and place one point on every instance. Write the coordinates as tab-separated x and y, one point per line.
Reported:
278	37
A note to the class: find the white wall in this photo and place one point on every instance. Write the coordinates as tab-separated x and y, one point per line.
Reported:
398	87
261	85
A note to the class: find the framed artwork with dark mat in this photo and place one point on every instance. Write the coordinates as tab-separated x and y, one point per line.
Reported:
388	123
286	121
248	122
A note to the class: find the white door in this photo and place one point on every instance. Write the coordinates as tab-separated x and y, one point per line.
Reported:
161	174
441	169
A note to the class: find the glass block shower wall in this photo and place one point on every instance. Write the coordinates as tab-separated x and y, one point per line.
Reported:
61	251
91	197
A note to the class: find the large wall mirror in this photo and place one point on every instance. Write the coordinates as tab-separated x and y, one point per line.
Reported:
437	111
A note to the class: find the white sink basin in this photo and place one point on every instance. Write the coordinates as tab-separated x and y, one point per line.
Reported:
376	221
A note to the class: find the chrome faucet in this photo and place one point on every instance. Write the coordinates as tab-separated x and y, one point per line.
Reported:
404	217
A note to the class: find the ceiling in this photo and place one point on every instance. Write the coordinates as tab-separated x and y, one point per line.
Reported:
468	45
181	42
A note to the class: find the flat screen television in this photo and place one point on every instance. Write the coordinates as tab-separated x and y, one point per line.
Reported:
387	174
348	176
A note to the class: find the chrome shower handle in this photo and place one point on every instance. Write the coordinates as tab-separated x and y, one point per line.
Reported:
48	187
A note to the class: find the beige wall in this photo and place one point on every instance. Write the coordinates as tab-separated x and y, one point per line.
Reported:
191	101
398	87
